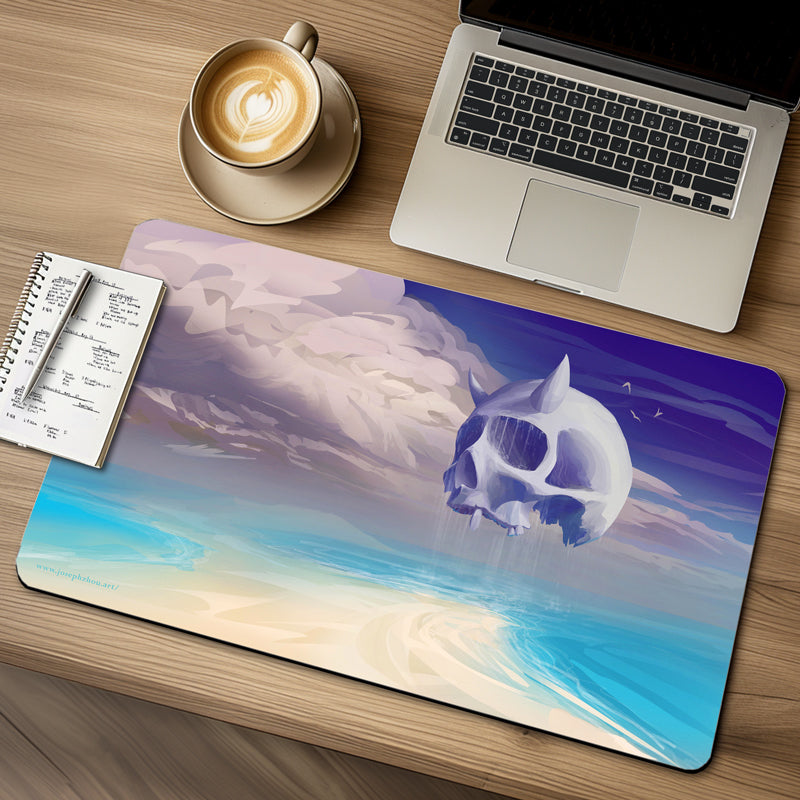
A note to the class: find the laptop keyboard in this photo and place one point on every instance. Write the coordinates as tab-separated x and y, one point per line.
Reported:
585	130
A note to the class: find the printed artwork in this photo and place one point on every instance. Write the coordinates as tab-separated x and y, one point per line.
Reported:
525	516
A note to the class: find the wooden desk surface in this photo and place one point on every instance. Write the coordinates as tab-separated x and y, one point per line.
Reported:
90	97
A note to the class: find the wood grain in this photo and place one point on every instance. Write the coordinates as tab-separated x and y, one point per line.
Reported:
91	93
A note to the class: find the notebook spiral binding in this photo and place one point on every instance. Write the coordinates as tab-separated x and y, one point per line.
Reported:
19	320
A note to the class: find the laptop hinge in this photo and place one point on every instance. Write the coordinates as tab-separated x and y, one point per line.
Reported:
625	68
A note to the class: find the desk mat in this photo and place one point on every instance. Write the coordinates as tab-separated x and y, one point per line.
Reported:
520	515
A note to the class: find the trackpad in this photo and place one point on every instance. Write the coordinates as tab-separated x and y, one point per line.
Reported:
573	235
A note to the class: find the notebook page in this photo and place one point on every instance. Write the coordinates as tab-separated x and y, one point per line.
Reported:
75	403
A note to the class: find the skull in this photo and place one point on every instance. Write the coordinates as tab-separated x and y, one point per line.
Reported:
540	445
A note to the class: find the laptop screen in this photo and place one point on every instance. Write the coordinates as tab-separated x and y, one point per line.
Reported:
752	48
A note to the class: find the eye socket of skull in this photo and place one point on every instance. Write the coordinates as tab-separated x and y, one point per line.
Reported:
520	444
468	434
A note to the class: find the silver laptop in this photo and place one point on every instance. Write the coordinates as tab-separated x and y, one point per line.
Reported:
620	150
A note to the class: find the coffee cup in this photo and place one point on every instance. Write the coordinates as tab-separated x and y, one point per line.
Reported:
256	103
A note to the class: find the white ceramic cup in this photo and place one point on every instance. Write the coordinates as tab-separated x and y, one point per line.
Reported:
256	103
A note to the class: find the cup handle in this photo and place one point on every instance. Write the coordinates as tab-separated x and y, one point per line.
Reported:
303	37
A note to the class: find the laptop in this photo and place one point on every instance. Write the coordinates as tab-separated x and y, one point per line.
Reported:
624	151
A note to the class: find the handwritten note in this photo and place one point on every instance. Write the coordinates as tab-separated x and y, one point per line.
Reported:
77	401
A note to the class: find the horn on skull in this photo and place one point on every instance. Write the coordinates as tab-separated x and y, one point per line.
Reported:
550	393
476	390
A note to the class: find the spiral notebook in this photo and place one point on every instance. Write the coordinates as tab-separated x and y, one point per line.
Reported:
76	404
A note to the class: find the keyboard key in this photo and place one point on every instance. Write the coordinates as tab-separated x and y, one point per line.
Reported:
547	142
733	159
503	113
676	144
484	61
690	131
709	136
633	115
696	166
518	84
482	90
520	152
643	168
658	155
730	142
497	78
618	128
715	154
478	73
523	102
677	161
595	105
599	123
499	147
695	149
618	144
561	112
681	198
480	141
545	77
581	169
614	110
565	83
641	185
475	123
720	210
701	201
715	188
687	116
556	94
651	120
474	105
541	124
638	133
504	66
602	140
605	158
527	137
561	129
606	94
582	118
580	134
662	191
509	132
575	100
459	136
566	147
503	97
537	89
682	179
523	119
585	153
727	127
625	163
663	174
542	107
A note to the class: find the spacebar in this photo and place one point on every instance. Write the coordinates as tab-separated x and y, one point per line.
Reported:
583	169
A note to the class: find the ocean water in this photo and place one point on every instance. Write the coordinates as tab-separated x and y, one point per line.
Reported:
623	675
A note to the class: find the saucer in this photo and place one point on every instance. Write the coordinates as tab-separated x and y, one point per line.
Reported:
248	196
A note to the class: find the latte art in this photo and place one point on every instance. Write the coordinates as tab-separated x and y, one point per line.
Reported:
258	107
